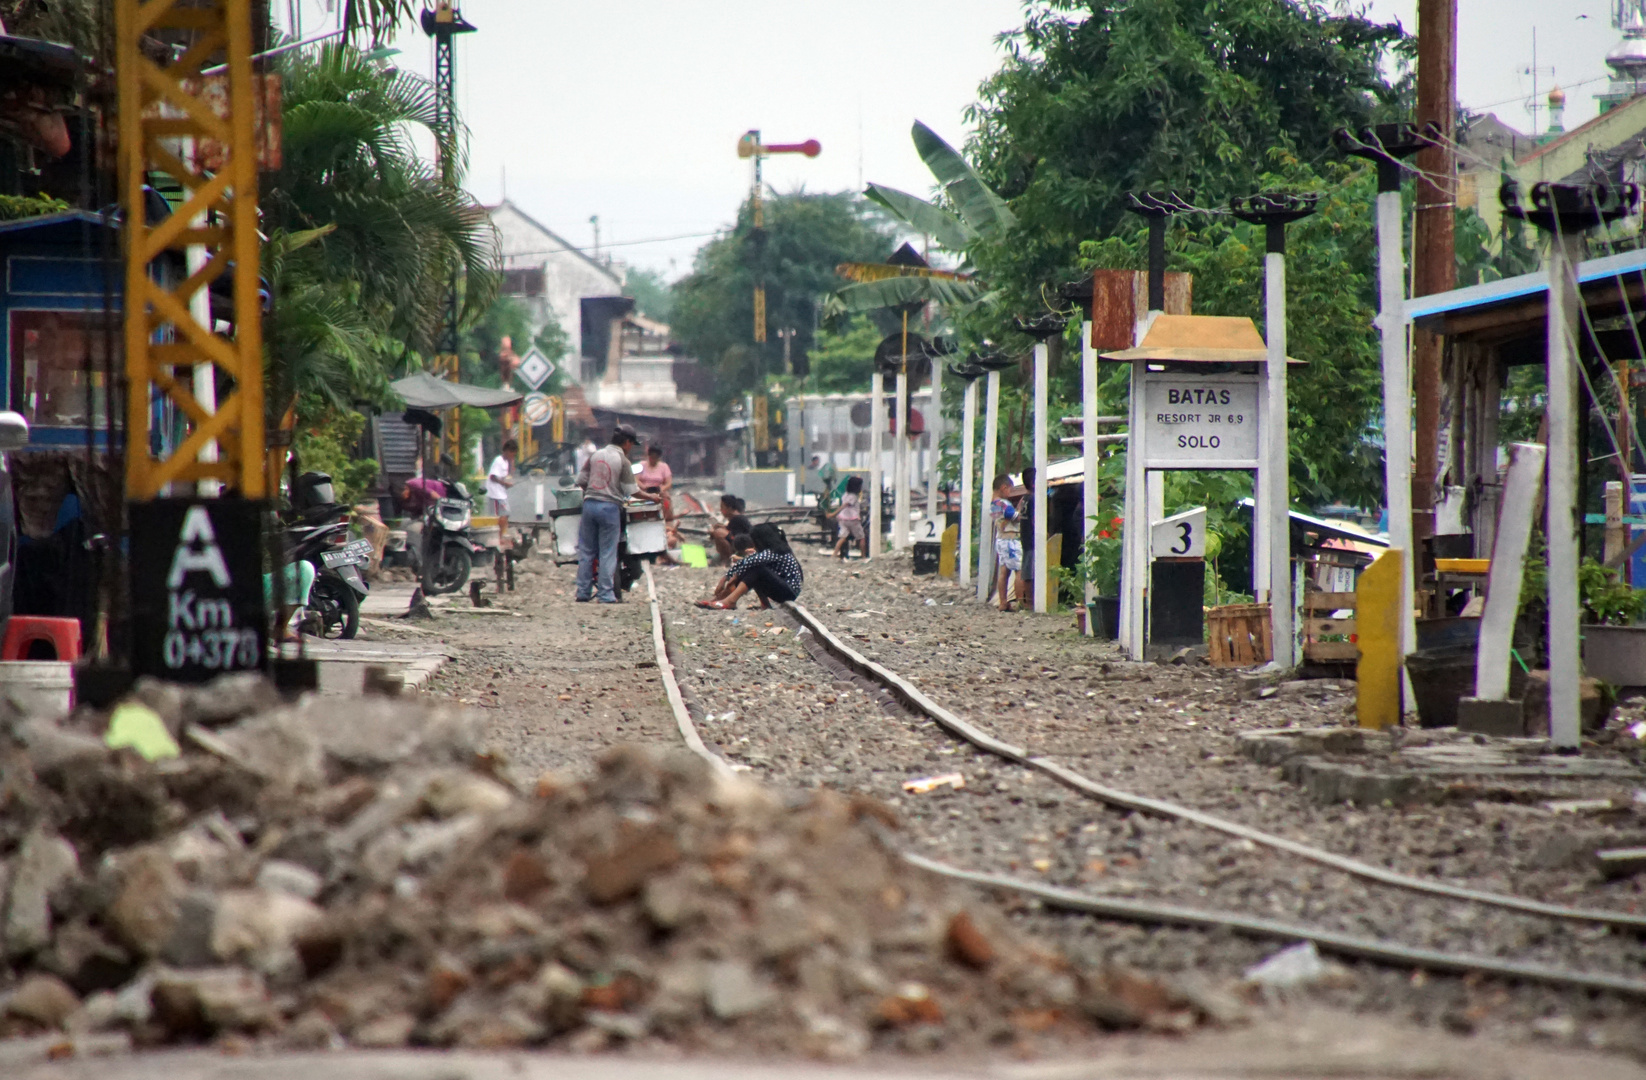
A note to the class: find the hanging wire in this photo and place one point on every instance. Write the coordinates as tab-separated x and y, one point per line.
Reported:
1576	357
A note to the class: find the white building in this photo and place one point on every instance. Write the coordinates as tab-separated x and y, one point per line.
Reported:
547	273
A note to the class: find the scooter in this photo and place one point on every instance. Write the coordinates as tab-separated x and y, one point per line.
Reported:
334	601
321	537
448	547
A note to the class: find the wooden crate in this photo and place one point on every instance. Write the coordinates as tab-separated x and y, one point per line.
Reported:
1237	635
1319	621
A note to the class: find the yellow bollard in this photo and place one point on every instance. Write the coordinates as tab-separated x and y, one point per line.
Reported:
1378	611
949	544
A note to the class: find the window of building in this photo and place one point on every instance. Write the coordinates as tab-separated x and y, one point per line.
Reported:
523	282
57	363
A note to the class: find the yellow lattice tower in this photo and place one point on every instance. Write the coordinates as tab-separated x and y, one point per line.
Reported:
166	107
446	366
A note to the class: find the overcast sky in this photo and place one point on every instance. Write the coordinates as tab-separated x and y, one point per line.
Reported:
631	109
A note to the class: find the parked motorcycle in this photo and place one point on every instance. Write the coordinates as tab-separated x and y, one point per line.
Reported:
321	537
448	547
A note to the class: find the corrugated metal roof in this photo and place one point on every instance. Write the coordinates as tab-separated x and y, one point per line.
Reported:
1479	297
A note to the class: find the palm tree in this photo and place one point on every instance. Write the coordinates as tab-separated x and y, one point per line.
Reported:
978	215
397	234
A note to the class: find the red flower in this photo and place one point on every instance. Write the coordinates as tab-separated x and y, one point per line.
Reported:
1105	534
1117	522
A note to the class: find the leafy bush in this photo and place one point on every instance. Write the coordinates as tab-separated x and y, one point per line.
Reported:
327	445
1607	598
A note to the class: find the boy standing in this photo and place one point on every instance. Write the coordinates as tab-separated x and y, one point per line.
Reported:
499	479
1008	552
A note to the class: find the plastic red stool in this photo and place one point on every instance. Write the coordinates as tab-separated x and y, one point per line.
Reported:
22	631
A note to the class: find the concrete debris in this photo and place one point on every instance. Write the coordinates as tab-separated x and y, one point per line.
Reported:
297	879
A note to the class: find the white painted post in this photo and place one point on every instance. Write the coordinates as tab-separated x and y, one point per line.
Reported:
934	457
1563	504
900	464
1278	480
985	539
1041	571
968	421
1088	425
1514	532
1260	496
1134	559
204	376
877	426
1397	403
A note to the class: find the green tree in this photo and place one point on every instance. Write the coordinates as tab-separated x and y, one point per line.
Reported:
398	235
1098	98
806	237
651	293
842	361
1331	286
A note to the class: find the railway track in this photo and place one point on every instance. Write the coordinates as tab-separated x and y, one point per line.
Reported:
763	718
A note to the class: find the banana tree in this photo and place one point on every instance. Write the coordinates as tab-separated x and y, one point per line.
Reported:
977	214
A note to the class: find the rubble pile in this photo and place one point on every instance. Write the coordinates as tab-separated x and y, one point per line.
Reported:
325	873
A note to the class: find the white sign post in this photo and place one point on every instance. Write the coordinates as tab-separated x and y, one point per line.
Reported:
1185	420
535	368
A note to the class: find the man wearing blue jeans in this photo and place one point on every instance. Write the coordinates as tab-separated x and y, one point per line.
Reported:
607	480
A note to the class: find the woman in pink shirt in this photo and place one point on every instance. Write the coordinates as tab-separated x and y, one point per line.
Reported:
656	476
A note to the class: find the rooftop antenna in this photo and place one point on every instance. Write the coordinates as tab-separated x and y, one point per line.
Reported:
1535	103
594	219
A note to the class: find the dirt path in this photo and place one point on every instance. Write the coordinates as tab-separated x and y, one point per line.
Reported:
560	681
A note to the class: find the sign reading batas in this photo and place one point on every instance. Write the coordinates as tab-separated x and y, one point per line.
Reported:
197	588
1200	422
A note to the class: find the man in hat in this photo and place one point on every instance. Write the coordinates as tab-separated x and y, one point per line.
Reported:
608	481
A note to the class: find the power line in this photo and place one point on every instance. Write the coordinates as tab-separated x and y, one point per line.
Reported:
568	250
1523	98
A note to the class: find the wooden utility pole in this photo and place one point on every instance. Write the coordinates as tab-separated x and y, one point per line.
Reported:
1434	259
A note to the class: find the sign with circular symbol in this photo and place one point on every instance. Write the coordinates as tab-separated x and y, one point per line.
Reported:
537	407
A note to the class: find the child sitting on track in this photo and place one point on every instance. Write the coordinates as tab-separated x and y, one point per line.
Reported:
772	572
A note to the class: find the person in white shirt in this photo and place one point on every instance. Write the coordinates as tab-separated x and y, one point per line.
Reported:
499	479
581	456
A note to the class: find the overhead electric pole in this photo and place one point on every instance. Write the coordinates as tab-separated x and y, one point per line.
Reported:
1433	256
443	22
1274	213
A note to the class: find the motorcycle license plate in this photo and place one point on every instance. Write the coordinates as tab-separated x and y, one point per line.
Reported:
354	553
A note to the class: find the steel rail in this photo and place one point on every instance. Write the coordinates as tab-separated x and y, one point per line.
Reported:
671	684
1332	941
919	702
1153	914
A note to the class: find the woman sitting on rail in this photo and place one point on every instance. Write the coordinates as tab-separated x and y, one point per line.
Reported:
772	572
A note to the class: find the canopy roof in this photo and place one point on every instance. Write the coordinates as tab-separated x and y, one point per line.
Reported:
1199	339
423	391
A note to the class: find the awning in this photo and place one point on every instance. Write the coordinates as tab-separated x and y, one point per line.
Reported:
1337	530
1199	339
423	391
